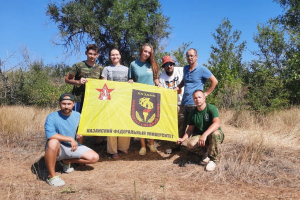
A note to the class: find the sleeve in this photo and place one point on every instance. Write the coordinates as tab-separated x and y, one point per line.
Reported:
162	80
50	129
214	112
74	70
104	73
206	73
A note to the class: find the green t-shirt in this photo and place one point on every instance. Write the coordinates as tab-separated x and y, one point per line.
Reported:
83	70
203	119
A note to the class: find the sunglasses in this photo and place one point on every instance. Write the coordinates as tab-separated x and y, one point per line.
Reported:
168	64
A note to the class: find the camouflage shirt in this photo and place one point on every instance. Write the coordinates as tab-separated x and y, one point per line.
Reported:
83	70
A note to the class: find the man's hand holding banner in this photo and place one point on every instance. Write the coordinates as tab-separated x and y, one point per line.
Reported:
133	110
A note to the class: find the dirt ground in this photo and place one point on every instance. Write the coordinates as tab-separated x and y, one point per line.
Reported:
154	176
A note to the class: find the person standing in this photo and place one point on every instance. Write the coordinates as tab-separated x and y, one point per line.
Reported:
145	70
78	74
116	72
170	78
194	77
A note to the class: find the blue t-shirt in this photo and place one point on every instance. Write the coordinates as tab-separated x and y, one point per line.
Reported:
193	80
61	124
141	72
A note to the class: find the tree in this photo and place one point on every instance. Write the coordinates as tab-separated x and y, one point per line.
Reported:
265	78
225	63
226	57
291	18
178	55
122	24
290	21
272	47
279	53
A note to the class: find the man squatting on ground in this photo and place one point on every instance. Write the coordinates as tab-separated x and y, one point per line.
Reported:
170	78
194	78
60	128
206	118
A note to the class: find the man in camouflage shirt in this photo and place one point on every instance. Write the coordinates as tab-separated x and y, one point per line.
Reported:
77	77
82	70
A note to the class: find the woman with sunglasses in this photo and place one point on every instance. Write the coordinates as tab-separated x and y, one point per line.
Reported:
116	72
145	70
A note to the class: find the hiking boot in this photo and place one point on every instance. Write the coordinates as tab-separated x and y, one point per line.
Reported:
205	159
152	148
55	181
66	168
211	166
142	151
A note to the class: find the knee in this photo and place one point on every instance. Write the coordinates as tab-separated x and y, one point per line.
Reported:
53	144
215	133
94	157
190	145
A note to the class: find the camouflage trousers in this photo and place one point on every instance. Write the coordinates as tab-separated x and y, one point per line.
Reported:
212	144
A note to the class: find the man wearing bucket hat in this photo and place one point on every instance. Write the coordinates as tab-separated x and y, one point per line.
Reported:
60	128
170	78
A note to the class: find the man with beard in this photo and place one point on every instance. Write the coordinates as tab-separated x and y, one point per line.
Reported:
210	136
170	78
60	128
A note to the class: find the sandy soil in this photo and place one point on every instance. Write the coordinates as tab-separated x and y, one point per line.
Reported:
154	176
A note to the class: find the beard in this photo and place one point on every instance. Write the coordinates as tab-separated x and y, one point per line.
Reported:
169	73
66	111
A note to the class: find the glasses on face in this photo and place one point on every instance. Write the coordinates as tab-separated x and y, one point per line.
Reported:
168	64
190	56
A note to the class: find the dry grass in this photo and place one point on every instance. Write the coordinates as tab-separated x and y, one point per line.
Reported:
19	124
260	160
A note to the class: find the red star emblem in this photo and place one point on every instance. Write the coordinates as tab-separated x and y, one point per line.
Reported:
104	93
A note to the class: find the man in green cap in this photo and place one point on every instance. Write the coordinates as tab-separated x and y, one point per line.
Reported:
61	133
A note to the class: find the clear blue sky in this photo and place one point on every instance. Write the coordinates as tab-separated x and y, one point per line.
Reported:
24	23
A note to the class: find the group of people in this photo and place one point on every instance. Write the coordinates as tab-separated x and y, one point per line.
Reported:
198	121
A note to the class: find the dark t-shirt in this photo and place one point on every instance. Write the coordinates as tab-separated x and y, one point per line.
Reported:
203	119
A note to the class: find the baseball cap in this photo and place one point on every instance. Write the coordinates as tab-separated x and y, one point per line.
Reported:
64	95
167	59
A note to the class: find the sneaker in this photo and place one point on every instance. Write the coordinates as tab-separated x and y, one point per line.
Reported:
211	166
205	159
143	151
152	148
55	181
66	168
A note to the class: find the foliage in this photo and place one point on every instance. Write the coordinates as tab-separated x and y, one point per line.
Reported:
39	85
291	18
225	63
122	24
178	55
276	69
266	91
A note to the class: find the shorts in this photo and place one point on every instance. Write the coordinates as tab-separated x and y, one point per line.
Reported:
66	153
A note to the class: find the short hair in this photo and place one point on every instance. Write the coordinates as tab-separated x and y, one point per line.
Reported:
93	47
198	90
193	50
